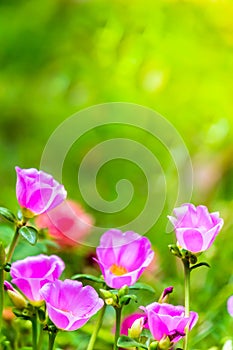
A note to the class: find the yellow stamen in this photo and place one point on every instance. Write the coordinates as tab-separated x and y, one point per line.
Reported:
118	270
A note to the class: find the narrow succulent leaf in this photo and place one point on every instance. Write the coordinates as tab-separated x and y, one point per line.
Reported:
142	286
199	265
87	277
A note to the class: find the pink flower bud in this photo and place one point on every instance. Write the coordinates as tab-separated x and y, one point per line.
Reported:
37	191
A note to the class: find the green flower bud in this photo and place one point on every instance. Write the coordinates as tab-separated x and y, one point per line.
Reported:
136	328
17	299
106	293
109	301
153	345
123	291
164	343
174	249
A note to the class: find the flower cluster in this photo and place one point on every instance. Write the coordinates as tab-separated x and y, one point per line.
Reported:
69	304
122	258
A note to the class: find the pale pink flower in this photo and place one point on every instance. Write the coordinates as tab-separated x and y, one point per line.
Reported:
37	191
195	227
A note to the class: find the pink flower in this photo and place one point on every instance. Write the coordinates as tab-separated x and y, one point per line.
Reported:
69	304
31	273
68	224
123	257
168	320
230	305
195	227
129	320
37	191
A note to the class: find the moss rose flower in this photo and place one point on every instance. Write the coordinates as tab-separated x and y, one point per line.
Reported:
37	191
168	320
69	304
31	273
123	257
195	227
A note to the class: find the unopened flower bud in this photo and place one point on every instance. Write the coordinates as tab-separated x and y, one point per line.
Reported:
17	299
136	328
165	295
153	345
123	291
105	293
174	249
164	343
109	301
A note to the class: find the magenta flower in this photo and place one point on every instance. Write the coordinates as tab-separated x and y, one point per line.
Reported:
123	257
230	305
31	273
69	304
168	320
195	227
129	320
37	191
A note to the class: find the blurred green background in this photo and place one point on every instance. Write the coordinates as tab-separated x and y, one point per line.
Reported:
173	56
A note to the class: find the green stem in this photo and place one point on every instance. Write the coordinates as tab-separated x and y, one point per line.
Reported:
1	297
118	325
52	336
96	329
187	271
41	336
34	332
13	245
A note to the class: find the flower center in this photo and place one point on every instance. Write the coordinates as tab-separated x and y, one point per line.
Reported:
118	270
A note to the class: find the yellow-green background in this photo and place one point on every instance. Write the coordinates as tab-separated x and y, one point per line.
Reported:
174	56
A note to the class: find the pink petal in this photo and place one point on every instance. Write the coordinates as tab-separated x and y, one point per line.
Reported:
190	239
157	327
230	305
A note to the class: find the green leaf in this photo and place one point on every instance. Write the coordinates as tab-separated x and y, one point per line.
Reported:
142	286
126	342
7	215
29	233
6	233
88	277
199	265
125	299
